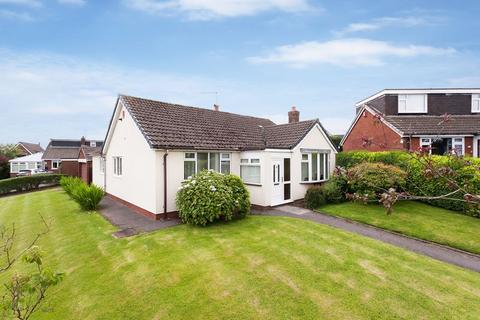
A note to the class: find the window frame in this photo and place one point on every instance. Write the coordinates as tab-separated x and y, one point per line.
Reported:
57	164
117	166
456	143
476	101
224	157
102	165
404	98
254	162
322	158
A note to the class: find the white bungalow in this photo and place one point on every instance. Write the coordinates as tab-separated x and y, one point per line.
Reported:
152	146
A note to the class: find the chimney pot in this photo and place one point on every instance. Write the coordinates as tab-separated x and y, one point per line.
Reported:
216	107
293	115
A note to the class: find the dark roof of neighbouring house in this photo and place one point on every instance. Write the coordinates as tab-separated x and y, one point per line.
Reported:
69	148
90	152
173	126
424	124
32	147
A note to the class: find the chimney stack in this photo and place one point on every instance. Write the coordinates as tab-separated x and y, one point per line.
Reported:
216	107
83	141
293	115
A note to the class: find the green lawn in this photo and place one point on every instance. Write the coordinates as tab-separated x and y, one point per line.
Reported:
257	268
418	220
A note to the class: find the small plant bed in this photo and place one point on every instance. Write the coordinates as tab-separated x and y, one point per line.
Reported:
415	219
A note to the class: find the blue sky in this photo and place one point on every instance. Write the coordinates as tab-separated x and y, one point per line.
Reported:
63	62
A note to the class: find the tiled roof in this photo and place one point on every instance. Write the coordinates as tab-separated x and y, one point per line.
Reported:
69	149
173	126
286	136
32	147
424	124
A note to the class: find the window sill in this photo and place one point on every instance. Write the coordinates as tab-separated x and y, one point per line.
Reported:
313	182
253	184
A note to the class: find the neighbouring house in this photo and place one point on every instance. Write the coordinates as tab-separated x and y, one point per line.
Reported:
29	162
71	157
27	148
439	121
152	146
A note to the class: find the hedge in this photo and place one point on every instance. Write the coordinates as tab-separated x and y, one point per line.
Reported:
28	183
465	172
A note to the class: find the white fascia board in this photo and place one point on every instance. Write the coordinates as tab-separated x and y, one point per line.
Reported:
441	135
418	91
112	125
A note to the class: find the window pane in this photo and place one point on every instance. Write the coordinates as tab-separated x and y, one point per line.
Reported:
304	156
215	161
190	155
327	166
32	165
286	170
225	169
250	174
188	169
22	166
243	160
314	166
286	191
304	171
14	167
254	160
202	161
225	155
322	166
120	168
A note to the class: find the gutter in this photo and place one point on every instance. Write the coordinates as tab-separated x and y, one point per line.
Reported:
165	215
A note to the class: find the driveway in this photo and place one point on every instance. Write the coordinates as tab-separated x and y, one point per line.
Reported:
130	222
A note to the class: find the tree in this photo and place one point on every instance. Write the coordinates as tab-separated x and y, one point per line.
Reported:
7	152
24	292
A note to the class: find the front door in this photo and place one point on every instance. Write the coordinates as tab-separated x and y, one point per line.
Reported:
280	181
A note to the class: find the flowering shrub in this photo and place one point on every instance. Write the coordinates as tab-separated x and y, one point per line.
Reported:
211	196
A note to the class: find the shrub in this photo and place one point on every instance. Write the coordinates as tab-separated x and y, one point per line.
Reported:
350	159
211	196
334	190
241	197
314	197
87	196
374	178
28	183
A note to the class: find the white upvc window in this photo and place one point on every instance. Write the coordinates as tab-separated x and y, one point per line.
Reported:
14	167
315	167
426	144
458	146
56	164
117	166
102	165
412	103
194	162
93	144
475	102
250	171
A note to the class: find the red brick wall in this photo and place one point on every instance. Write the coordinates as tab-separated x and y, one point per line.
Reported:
382	138
70	168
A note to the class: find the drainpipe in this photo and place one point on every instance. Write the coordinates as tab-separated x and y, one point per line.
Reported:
165	185
104	159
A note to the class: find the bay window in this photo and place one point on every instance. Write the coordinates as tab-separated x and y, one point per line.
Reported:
315	166
250	171
194	162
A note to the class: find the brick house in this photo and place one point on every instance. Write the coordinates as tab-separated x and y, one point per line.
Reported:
438	120
71	157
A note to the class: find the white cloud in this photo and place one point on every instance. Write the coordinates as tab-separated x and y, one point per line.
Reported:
73	2
379	23
13	15
27	3
345	52
210	9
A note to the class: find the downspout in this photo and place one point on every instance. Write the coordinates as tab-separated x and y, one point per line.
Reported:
104	159
165	216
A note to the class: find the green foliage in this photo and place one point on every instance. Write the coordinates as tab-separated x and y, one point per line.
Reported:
336	139
314	197
7	152
373	178
28	183
464	172
241	197
25	292
211	196
334	190
87	196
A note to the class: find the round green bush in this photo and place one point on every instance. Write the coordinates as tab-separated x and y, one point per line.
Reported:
334	190
211	196
373	178
314	198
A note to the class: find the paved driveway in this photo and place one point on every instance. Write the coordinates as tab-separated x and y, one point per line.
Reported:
128	221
